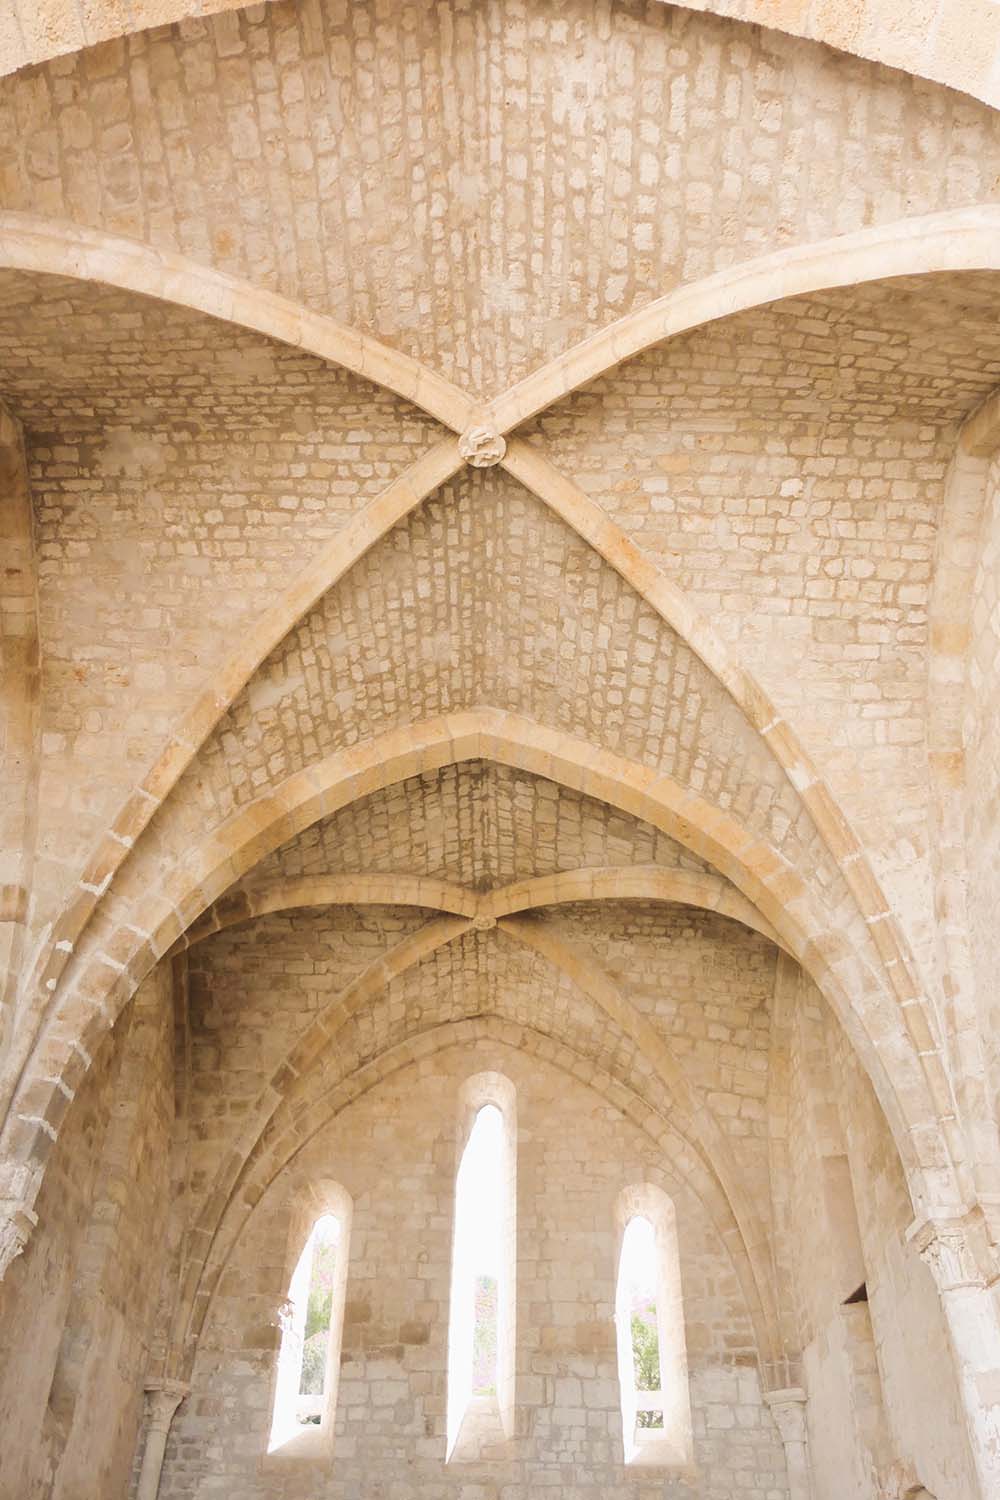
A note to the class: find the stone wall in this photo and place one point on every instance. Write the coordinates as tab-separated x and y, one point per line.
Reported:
420	690
806	532
953	43
982	740
180	467
702	982
76	1308
394	1152
874	1400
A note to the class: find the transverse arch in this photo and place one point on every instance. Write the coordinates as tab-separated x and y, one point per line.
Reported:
956	240
294	1081
960	239
137	938
421	1048
612	883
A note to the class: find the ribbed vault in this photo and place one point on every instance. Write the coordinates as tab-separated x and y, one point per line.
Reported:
429	988
483	597
80	357
326	690
477	473
237	453
479	824
557	197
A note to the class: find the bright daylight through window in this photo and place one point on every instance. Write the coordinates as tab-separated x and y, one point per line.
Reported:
649	1316
478	1266
304	1360
637	1319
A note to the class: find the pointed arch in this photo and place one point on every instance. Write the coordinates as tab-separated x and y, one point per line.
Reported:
610	883
303	1057
588	975
322	1216
688	1164
897	962
330	564
484	1243
964	239
956	239
284	1097
107	970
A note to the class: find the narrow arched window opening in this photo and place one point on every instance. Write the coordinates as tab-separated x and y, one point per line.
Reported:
309	1354
481	1322
652	1357
477	1259
639	1323
316	1330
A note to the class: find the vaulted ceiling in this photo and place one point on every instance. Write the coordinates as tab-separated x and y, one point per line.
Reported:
565	734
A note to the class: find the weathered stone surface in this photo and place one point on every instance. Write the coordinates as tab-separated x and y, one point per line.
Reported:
499	541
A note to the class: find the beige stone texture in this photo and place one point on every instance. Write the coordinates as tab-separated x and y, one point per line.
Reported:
499	555
954	42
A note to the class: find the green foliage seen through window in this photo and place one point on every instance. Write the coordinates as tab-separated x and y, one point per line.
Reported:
646	1354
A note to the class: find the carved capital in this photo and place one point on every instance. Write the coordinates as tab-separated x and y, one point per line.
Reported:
957	1250
16	1224
788	1408
164	1397
482	446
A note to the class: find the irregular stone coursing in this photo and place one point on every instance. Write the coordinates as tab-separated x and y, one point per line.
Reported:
388	730
938	42
394	1355
479	824
178	470
575	163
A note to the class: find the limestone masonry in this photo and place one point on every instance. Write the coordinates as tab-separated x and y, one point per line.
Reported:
499	750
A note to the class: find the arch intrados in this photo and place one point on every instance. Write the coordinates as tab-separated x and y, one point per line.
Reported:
882	930
330	564
199	1295
881	39
611	883
287	1096
589	976
250	901
57	247
292	1075
758	871
957	557
960	239
290	1087
580	966
963	239
633	883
